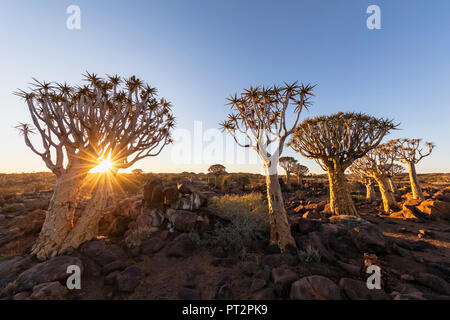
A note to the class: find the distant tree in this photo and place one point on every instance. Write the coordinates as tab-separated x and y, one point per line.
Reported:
137	172
300	171
411	151
287	163
259	116
217	170
79	127
376	164
361	176
335	141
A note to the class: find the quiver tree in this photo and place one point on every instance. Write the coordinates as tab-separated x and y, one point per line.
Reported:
217	170
336	141
367	181
395	170
300	171
80	127
411	151
287	163
376	164
258	121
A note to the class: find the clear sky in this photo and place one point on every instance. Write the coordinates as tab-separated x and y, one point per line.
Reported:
197	53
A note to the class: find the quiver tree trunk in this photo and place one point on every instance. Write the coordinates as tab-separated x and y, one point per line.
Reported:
280	230
415	185
340	199
389	203
299	181
392	185
86	227
59	219
288	179
370	192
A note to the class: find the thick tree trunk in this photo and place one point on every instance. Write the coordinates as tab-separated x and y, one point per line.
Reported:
415	185
392	185
59	219
370	192
389	203
86	227
340	199
299	181
280	230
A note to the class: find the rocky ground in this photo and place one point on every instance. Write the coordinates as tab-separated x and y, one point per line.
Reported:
151	249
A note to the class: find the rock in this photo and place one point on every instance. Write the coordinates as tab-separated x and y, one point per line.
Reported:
192	203
257	284
32	222
101	252
13	207
24	295
400	251
357	290
265	294
16	265
224	262
186	188
51	270
409	296
278	259
349	268
435	209
189	294
153	193
368	238
305	226
315	288
282	278
113	266
440	269
152	245
110	279
118	226
348	221
129	279
433	282
311	214
218	252
316	241
182	220
181	247
224	291
49	291
171	195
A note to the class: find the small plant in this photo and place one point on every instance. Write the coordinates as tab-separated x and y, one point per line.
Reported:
310	254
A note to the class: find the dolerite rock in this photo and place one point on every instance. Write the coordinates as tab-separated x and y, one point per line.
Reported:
182	220
49	291
357	290
224	291
282	278
278	259
257	284
189	294
368	238
16	265
101	252
153	193
433	282
348	221
171	195
192	203
152	245
54	269
129	279
435	209
181	247
315	288
265	294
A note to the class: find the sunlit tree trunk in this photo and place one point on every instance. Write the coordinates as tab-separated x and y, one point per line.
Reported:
86	227
59	219
392	185
340	199
280	231
415	185
389	203
299	180
370	192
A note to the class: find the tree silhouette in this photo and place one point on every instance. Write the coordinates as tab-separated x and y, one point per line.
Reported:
335	141
259	116
287	163
300	171
121	120
217	170
411	151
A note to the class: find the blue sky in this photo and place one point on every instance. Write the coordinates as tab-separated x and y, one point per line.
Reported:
197	53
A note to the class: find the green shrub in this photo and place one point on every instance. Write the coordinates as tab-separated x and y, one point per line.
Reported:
248	219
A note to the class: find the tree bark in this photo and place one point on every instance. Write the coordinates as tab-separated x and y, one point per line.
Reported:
86	227
389	203
370	192
340	199
280	230
59	219
299	181
415	185
392	185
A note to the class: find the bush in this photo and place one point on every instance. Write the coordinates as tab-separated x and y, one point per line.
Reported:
248	219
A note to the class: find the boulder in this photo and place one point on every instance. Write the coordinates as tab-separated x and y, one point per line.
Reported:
13	207
368	238
182	220
433	282
171	195
192	203
278	259
435	209
315	288
181	247
153	193
129	279
357	290
49	291
16	265
101	252
152	245
265	294
189	294
282	278
312	214
257	284
54	269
